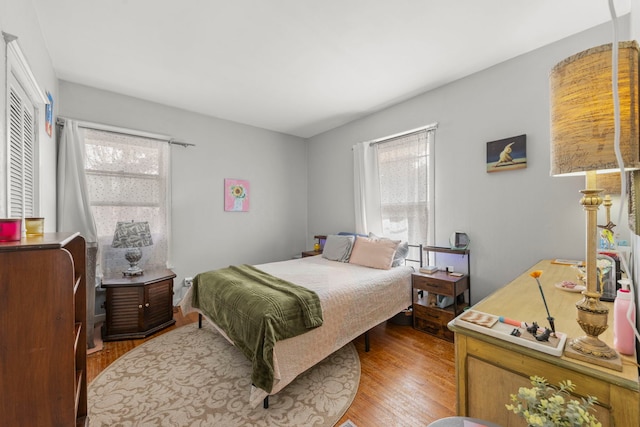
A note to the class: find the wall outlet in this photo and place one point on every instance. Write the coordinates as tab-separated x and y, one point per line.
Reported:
188	281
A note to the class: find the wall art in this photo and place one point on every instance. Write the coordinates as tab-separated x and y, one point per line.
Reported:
507	154
236	195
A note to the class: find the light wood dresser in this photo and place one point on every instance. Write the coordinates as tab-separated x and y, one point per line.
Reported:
489	369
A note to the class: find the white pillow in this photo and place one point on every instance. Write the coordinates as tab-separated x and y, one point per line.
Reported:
373	253
338	248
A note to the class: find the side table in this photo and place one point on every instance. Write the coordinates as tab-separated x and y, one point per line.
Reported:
138	306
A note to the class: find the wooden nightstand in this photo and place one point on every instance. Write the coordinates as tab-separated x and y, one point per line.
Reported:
427	316
311	253
138	306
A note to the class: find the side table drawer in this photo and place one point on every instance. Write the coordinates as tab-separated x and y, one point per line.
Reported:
432	285
433	321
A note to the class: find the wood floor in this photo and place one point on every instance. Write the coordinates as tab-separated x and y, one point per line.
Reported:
408	377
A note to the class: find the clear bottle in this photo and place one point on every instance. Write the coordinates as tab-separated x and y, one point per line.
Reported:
623	333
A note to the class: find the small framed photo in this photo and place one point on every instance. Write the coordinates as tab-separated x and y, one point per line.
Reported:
507	154
236	195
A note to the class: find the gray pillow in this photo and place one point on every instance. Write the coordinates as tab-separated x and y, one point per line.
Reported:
338	248
402	251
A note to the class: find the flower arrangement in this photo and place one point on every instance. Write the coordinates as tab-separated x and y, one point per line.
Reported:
544	405
536	275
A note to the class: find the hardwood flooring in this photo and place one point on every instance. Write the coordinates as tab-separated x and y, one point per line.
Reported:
407	379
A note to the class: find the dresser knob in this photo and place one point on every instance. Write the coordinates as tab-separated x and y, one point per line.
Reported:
140	306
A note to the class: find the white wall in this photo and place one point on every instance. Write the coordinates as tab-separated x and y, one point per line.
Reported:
19	19
206	237
514	218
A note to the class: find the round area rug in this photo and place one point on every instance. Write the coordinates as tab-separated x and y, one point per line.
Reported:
195	377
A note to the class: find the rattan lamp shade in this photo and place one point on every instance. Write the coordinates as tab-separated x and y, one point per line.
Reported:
582	117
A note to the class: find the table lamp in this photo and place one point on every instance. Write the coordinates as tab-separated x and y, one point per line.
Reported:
583	132
133	236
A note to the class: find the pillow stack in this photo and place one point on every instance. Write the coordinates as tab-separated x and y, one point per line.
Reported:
371	251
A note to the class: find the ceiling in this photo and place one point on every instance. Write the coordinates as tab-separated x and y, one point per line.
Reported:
299	67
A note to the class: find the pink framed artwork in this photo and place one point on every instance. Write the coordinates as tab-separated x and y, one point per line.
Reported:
236	195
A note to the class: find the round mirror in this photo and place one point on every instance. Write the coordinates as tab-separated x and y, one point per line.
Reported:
459	241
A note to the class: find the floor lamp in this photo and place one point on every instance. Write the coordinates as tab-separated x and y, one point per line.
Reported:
582	143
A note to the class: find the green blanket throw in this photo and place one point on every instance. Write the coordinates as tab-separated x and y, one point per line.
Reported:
255	310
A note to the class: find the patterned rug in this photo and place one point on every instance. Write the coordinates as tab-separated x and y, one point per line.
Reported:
194	377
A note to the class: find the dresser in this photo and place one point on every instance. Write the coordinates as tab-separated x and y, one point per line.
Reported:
43	337
138	306
489	369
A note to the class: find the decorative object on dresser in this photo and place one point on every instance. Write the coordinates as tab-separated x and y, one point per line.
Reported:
138	306
133	236
10	229
440	296
43	365
586	125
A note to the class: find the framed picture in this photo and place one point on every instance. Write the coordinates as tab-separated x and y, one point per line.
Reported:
507	154
236	195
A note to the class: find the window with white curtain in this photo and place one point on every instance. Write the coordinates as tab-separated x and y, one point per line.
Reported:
405	170
127	180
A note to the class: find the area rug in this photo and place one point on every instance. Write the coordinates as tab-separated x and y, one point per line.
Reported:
194	377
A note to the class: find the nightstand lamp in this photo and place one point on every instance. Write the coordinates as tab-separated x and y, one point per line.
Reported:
133	236
586	125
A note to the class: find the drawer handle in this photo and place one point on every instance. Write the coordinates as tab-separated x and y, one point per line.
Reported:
139	305
146	305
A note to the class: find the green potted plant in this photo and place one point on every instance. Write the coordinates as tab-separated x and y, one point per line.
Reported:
545	405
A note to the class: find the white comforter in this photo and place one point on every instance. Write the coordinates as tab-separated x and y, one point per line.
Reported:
354	299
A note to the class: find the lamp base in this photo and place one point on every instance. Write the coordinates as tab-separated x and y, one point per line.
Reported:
613	363
133	255
133	271
592	318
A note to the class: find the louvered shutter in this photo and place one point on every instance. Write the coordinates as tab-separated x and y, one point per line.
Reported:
21	154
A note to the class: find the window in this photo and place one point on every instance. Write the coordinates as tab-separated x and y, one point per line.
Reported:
127	179
405	169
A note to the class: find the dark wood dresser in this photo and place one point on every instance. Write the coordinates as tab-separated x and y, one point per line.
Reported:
43	339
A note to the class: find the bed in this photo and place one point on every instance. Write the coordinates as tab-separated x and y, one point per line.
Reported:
353	298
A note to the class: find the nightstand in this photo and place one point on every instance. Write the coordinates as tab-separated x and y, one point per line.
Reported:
138	306
311	253
427	290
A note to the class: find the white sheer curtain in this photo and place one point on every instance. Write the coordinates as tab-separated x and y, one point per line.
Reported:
73	206
366	189
394	186
74	209
128	179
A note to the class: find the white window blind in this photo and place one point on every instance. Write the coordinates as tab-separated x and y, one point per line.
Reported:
127	179
21	153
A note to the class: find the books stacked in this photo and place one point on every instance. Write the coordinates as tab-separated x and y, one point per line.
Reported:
429	269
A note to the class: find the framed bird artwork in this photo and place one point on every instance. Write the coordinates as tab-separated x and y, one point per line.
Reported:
507	154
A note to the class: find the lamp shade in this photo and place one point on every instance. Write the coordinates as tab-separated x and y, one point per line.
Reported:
582	111
609	183
132	235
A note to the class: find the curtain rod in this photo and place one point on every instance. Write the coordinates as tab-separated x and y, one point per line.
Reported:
432	126
60	121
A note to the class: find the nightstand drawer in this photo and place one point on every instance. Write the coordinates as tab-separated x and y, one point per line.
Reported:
432	285
433	314
432	321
